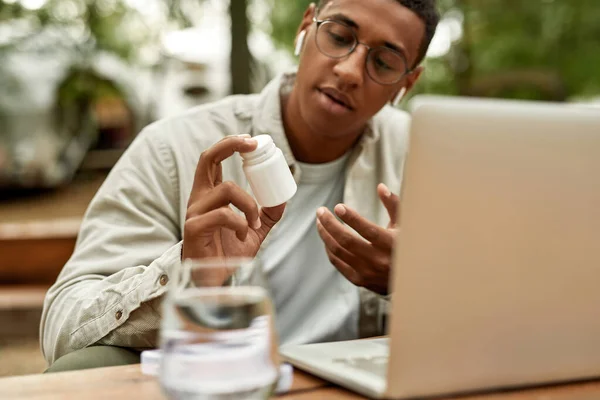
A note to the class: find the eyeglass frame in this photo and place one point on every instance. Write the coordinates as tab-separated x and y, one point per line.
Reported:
320	22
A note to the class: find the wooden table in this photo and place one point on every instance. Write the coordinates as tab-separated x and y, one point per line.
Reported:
128	382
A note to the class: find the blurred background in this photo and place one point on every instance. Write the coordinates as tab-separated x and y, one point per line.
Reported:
80	78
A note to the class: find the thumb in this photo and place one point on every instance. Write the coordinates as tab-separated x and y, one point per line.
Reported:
390	202
269	216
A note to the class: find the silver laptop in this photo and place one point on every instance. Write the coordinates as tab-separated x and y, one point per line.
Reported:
496	279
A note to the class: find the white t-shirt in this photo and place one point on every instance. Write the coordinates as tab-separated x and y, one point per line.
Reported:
313	301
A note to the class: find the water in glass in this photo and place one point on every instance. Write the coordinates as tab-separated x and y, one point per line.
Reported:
217	334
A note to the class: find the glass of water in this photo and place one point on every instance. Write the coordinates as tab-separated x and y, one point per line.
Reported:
217	335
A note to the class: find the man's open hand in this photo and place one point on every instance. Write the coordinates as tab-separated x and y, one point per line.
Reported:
364	260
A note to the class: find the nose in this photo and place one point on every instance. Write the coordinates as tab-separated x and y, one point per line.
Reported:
351	68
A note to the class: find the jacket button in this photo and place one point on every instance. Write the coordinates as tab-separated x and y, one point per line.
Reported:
118	314
164	279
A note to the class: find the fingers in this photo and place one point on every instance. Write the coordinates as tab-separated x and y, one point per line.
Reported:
209	166
339	257
204	226
390	202
343	236
361	262
223	195
269	216
344	268
375	234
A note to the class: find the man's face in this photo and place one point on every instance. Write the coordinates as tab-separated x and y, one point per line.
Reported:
322	82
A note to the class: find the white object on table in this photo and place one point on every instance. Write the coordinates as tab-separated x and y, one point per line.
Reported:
150	360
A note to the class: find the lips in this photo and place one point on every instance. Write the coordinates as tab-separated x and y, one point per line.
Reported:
338	97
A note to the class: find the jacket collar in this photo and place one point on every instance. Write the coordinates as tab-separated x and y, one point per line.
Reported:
267	114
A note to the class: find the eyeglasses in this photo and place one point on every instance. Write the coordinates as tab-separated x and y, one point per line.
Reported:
337	40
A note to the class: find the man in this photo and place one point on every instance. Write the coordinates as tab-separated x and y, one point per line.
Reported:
161	204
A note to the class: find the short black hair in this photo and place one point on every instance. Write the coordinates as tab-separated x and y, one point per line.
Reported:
427	11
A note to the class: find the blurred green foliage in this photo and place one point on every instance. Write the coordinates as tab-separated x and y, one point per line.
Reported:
531	49
107	25
82	29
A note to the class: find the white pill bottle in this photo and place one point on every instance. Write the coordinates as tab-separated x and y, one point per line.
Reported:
268	173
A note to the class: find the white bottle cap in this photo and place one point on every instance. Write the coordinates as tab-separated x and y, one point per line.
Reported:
264	149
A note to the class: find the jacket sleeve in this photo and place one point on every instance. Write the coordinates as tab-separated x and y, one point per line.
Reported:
128	246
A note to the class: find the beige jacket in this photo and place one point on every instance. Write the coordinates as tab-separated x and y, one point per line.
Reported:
130	240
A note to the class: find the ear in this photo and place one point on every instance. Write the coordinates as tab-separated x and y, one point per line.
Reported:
408	83
307	20
412	78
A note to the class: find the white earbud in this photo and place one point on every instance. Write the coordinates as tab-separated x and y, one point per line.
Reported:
399	97
299	43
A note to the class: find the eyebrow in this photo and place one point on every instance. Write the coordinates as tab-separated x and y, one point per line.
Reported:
348	21
352	24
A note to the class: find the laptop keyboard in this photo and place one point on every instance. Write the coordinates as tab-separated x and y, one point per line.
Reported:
373	365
